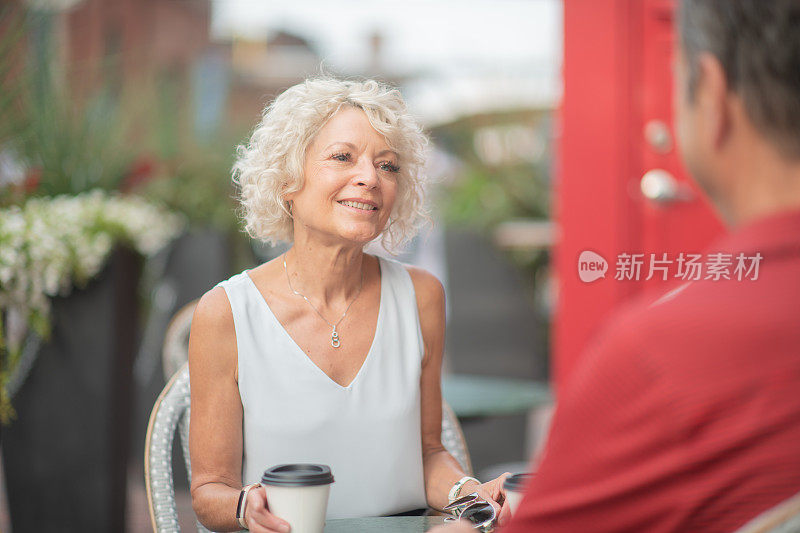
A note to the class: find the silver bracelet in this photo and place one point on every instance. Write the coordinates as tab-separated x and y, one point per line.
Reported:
453	494
241	507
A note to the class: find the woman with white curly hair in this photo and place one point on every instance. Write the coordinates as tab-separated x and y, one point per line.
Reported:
325	354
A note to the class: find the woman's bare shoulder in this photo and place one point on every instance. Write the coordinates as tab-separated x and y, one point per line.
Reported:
431	308
429	290
212	340
213	310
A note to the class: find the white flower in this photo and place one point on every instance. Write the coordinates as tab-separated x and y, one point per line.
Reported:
49	243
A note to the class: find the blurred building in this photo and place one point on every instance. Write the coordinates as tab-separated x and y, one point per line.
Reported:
262	68
124	48
96	42
131	39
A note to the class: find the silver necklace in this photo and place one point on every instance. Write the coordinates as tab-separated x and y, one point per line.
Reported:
334	334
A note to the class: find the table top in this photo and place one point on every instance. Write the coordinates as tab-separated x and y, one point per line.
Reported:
384	524
474	396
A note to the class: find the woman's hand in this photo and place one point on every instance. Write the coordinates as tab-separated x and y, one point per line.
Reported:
494	493
491	491
258	518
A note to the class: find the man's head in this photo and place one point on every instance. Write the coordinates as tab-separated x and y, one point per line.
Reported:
737	86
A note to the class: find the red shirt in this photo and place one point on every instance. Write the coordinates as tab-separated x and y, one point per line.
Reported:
685	414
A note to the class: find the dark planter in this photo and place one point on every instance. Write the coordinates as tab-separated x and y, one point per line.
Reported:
66	455
198	260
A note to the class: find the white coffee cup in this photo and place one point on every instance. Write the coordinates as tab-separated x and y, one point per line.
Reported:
298	493
515	488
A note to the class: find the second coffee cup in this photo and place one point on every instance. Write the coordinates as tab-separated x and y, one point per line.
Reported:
298	493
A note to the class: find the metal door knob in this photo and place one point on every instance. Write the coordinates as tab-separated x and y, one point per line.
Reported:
661	187
658	136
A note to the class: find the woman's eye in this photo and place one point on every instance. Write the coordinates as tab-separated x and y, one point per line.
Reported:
386	166
341	157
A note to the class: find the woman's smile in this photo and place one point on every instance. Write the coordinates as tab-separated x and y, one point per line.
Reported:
361	207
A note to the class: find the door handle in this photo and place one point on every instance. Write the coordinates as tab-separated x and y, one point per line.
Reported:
660	187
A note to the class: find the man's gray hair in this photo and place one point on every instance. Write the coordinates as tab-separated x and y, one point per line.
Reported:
758	44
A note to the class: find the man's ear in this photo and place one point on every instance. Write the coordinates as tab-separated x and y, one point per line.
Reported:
713	101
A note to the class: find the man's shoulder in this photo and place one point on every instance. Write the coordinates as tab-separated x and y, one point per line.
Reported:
684	311
654	332
735	331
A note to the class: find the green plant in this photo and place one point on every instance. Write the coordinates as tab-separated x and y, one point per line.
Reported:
135	138
59	222
483	197
50	245
71	145
504	170
197	183
189	173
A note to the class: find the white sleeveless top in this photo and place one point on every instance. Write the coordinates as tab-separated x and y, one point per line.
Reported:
368	432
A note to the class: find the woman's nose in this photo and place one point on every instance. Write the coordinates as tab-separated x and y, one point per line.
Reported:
367	175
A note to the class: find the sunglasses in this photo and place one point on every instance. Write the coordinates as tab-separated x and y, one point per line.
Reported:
474	509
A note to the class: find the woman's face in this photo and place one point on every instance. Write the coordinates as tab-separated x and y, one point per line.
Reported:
350	181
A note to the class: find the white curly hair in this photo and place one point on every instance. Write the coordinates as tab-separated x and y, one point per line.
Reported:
270	165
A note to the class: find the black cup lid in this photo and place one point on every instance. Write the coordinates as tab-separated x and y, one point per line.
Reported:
517	482
298	475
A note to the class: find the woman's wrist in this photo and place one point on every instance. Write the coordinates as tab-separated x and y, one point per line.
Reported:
469	487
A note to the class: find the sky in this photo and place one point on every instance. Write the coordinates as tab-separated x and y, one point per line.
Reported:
472	53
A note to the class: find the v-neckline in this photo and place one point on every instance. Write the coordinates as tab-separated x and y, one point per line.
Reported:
302	352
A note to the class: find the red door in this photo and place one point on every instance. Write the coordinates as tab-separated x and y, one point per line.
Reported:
620	188
676	216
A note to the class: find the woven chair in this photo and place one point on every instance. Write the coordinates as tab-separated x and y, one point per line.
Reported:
176	340
171	413
453	439
783	518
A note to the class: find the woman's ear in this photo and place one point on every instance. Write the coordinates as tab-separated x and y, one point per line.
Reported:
287	197
286	205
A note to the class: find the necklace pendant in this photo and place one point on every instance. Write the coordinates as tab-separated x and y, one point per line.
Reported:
335	338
